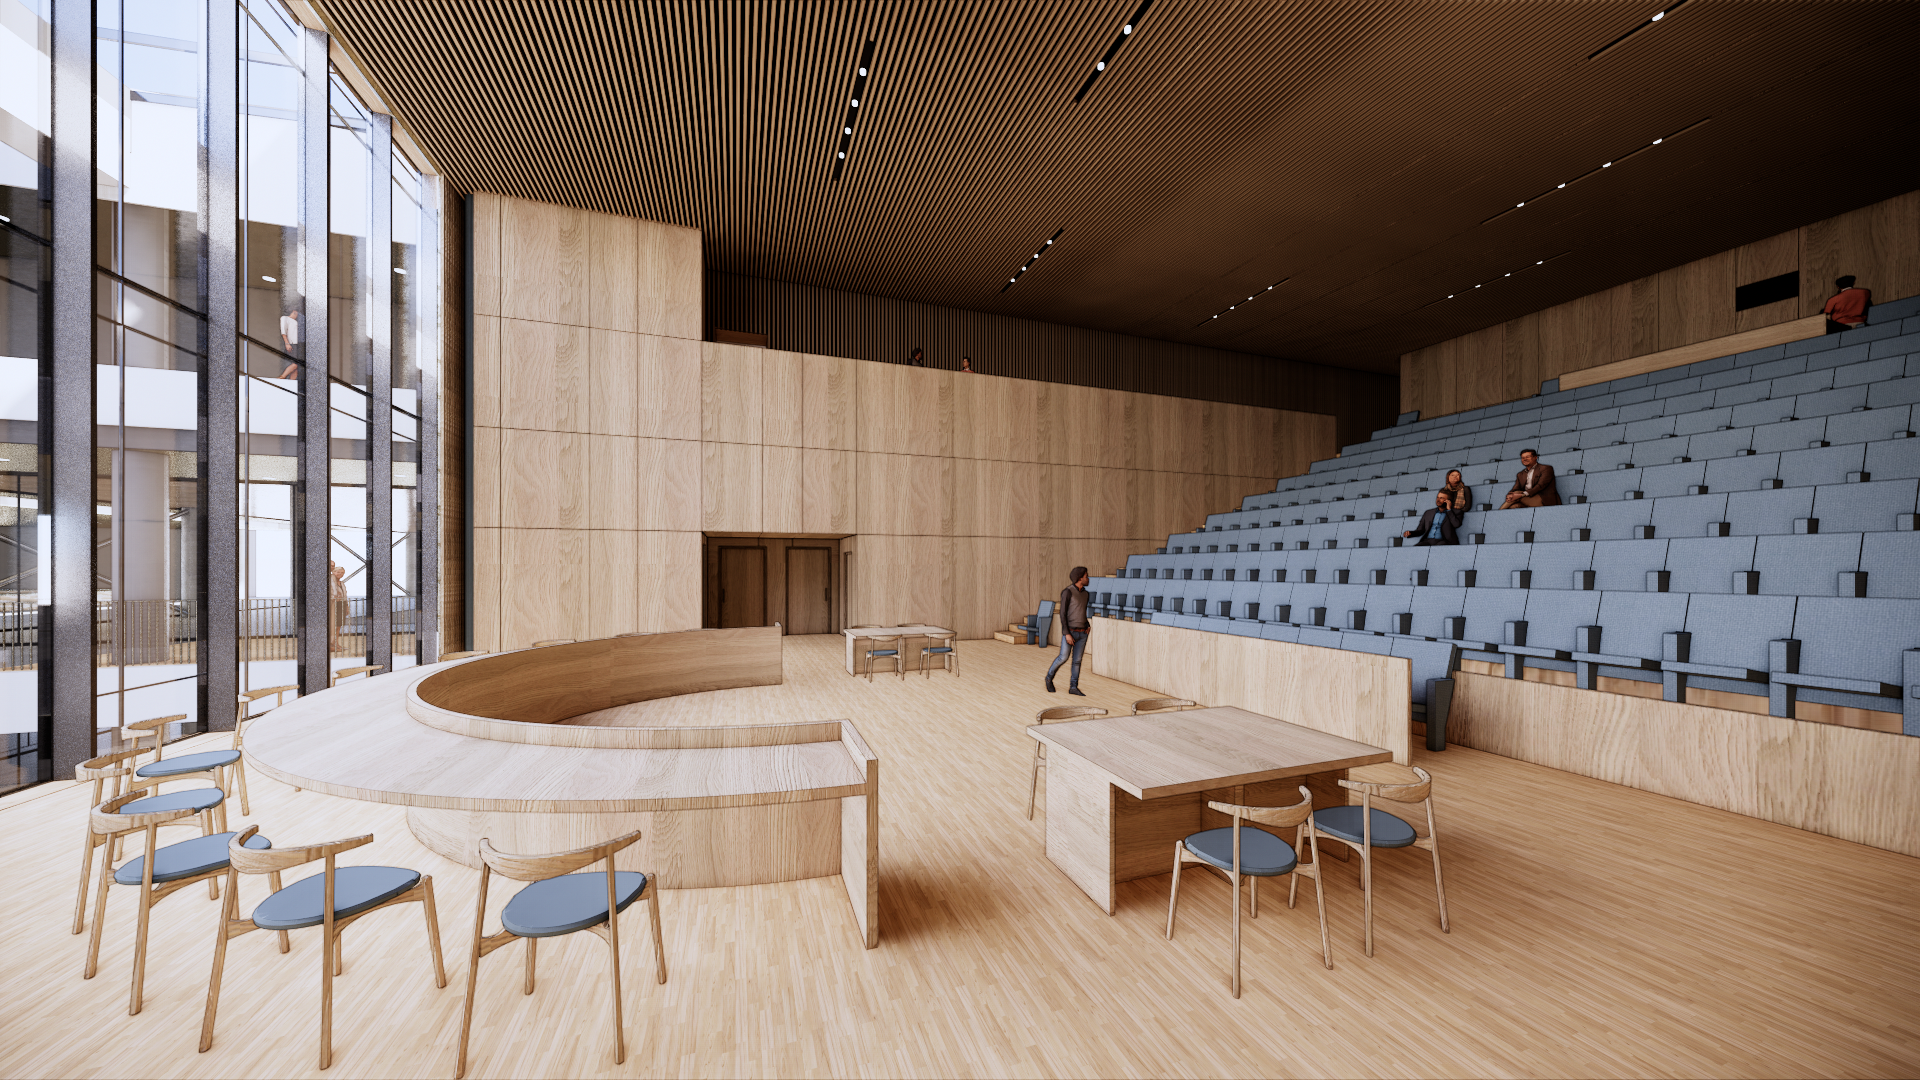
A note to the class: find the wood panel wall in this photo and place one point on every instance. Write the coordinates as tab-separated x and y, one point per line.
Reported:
1879	244
835	322
1837	781
1354	695
608	439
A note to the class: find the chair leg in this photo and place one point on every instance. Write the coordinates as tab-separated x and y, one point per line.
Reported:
613	969
532	945
1173	898
339	953
1366	886
1236	935
1253	911
1033	790
433	933
1439	886
1320	902
86	875
99	913
273	882
329	955
240	770
227	909
659	947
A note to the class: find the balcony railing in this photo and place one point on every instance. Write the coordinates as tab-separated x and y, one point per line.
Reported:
168	631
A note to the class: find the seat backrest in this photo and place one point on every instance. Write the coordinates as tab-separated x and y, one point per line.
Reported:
1741	474
1825	465
1760	513
1162	704
1666	481
1856	638
1623	564
1068	712
1557	522
1633	623
1706	564
541	867
1874	425
1868	507
1805	565
1434	605
1489	610
1675	516
1553	561
1494	563
1428	660
1553	616
1892	563
1898	459
1781	436
1733	630
1617	520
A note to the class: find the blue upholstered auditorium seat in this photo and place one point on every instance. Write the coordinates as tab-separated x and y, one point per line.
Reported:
1666	481
1741	473
1631	628
1611	486
1494	565
1763	411
1700	421
1385	606
1892	564
1618	520
1487	613
1778	437
1709	445
1433	606
1807	565
1757	513
1701	564
1688	515
1827	465
1342	601
1850	652
1728	640
1551	619
1898	459
1553	565
1789	363
1744	393
1896	391
1871	425
1558	522
1445	566
1624	564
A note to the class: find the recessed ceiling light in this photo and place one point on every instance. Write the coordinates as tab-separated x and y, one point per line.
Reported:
863	73
264	277
856	103
853	109
1449	296
1659	140
1100	65
846	131
1127	29
399	269
6	219
843	153
1519	204
1608	165
1540	262
1033	259
1658	15
1563	185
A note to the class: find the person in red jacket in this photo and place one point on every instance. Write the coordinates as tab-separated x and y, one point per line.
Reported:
1847	308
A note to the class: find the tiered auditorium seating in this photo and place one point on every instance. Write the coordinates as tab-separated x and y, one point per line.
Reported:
1744	524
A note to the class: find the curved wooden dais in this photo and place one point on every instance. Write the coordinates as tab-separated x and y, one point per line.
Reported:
476	748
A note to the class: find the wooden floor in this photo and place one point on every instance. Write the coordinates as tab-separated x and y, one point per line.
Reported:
1597	931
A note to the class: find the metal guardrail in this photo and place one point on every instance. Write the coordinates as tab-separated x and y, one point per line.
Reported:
168	631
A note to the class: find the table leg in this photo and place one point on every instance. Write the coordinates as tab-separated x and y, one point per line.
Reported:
1080	824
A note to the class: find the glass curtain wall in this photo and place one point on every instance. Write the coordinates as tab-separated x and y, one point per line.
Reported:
26	160
196	102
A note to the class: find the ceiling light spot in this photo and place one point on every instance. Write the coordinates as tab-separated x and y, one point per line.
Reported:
1608	165
1658	15
1101	66
856	103
1660	140
400	270
1541	262
843	153
1563	185
863	73
1518	205
846	131
1127	29
264	277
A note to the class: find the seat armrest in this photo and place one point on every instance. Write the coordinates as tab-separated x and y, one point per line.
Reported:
1714	671
1640	662
1830	682
1535	650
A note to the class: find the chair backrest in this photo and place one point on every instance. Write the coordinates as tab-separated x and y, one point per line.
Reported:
552	641
155	728
248	860
1275	817
107	767
348	673
865	626
1371	783
1163	704
444	657
541	867
1068	712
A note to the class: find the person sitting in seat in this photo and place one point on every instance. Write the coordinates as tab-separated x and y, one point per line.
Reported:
1533	485
1847	308
1441	524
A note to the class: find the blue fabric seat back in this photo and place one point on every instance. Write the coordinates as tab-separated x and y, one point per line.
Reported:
1342	599
1688	515
1706	564
1632	623
1352	641
1899	459
1656	426
1777	438
1733	631
1363	561
1856	638
1434	605
1761	513
1712	444
1494	563
1842	399
1617	520
1553	563
1444	564
1552	616
1622	565
1892	563
1305	599
1733	474
1489	610
1805	565
1597	459
1827	465
1272	598
1691	401
1428	660
1896	391
1402	561
1611	486
1873	425
1668	481
1557	522
1386	601
1702	422
1805	382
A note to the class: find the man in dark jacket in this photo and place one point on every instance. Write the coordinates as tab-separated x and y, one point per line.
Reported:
1073	628
1533	485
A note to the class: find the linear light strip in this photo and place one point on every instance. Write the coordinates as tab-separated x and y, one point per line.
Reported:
1536	264
1018	274
853	110
1126	32
1657	16
1596	170
1248	300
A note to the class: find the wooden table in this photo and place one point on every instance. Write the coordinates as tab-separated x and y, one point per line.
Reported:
886	632
1122	789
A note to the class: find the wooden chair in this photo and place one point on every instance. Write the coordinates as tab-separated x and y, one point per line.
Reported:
1063	712
940	645
889	647
1240	851
350	672
553	641
215	765
1363	828
333	900
444	657
560	902
1149	705
115	768
247	700
158	871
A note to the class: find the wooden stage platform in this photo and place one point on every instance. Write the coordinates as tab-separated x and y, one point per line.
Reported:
1597	931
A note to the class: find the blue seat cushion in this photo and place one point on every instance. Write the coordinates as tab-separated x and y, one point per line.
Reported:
355	889
561	905
1344	822
942	649
191	763
1262	854
200	798
883	652
186	858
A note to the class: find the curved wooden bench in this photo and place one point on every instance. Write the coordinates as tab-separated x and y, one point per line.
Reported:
474	748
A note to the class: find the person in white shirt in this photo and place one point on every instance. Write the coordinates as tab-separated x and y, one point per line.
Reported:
289	338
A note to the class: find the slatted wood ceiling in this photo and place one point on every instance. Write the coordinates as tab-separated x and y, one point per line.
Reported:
1354	150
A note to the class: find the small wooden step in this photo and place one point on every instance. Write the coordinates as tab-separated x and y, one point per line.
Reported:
1009	637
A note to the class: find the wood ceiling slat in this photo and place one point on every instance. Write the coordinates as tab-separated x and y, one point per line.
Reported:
1352	148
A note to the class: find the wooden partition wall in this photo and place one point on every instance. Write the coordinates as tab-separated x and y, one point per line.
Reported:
1354	695
1879	244
607	440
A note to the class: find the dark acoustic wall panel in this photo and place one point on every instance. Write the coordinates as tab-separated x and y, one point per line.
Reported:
833	322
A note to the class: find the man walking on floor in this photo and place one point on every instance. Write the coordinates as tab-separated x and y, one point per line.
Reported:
1073	628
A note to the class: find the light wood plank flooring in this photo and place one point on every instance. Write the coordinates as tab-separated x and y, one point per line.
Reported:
1597	931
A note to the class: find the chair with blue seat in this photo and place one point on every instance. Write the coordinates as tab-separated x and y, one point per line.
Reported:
1891	562
1502	565
1548	630
1432	666
157	872
1822	465
1483	621
1856	653
1839	401
1894	459
1714	443
1558	563
1623	565
1873	425
1738	474
1061	712
113	772
557	902
1726	642
1619	520
1807	564
1708	564
1364	828
940	647
1627	636
1689	515
215	765
1868	507
333	900
245	715
1040	624
1769	511
883	648
1668	481
1241	851
1781	437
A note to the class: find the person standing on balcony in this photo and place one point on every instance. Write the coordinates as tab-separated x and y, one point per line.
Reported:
336	603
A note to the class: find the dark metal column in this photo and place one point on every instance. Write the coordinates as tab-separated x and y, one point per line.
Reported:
72	558
426	492
380	399
312	492
218	513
